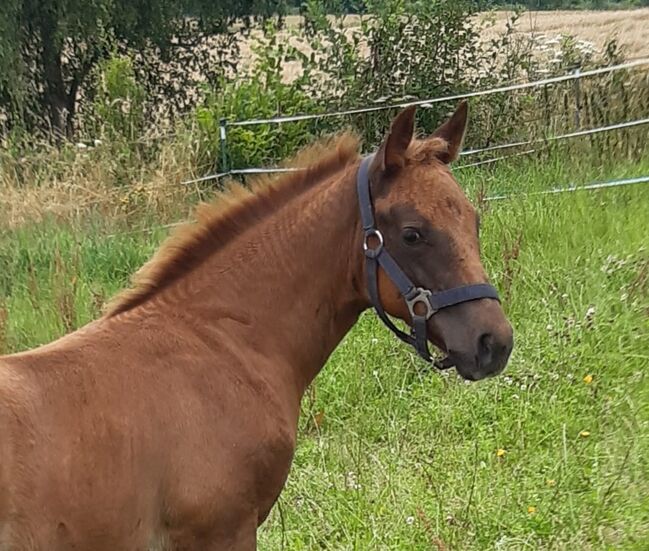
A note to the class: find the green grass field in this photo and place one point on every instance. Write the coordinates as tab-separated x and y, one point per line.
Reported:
553	454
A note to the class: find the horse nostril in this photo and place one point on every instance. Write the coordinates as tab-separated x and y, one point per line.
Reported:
485	348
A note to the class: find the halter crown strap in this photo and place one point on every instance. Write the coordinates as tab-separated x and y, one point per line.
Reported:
415	297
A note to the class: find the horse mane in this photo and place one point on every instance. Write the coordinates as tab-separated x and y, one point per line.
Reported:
234	209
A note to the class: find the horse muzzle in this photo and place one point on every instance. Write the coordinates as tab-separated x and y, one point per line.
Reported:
477	337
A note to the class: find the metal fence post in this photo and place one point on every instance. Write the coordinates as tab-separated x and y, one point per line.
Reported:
223	135
577	97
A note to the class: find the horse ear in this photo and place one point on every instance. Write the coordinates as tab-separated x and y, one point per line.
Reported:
391	155
452	132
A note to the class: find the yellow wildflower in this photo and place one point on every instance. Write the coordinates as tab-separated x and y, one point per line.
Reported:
588	379
501	452
531	509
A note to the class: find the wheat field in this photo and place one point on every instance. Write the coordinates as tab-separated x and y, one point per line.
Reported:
629	27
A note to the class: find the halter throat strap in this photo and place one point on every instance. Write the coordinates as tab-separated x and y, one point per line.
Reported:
422	303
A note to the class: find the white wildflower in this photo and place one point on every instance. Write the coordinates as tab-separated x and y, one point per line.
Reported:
352	482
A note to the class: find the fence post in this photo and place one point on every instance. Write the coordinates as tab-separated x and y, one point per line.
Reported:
223	135
549	122
577	98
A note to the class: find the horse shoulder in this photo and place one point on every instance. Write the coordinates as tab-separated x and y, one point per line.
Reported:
16	433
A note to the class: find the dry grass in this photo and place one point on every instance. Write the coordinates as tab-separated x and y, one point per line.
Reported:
69	183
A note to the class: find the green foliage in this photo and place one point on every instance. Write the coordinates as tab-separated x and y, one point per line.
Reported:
414	50
261	93
402	51
49	47
119	99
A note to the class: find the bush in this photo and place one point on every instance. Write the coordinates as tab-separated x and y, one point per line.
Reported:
403	51
260	94
406	51
119	100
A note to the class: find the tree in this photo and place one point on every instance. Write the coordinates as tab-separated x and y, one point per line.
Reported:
48	48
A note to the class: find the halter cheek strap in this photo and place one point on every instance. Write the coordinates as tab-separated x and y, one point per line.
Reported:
416	298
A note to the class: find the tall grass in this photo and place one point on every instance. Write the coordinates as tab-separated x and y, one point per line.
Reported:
392	455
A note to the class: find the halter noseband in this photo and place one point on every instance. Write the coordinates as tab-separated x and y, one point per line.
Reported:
376	256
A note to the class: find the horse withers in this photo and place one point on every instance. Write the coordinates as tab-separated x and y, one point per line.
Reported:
170	422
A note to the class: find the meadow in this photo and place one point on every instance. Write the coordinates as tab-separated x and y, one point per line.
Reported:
553	454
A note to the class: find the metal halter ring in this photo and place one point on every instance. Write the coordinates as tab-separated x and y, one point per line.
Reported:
422	296
372	252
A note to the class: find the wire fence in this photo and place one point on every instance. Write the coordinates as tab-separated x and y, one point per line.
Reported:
539	145
573	187
565	188
532	145
575	75
497	147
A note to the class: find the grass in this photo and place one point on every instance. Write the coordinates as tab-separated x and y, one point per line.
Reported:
392	455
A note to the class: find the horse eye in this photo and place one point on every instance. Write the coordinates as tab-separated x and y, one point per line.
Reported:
411	236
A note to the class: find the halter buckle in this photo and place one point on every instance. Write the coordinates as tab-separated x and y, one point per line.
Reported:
420	295
369	251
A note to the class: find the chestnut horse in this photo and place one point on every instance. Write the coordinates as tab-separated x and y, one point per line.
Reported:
170	422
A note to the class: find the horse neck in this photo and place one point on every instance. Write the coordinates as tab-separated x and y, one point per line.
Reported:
287	289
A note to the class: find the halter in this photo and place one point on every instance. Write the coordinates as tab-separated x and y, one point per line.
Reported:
416	297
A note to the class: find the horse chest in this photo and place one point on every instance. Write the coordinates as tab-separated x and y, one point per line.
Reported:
265	460
241	468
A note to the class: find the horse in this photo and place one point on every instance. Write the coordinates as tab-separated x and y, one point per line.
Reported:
170	422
